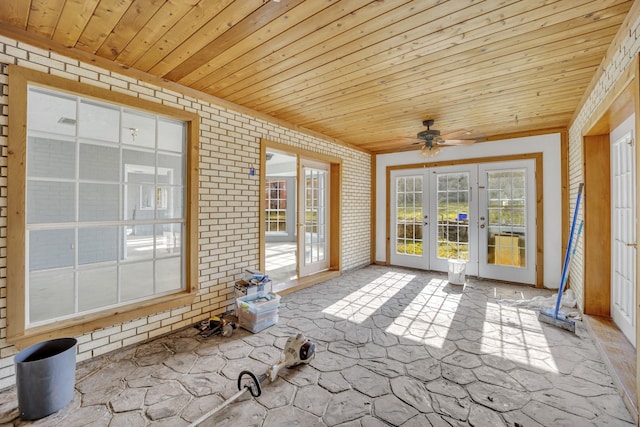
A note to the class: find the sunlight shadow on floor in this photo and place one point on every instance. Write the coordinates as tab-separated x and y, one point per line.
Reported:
516	335
360	305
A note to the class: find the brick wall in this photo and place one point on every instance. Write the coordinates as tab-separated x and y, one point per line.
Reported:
624	55
228	198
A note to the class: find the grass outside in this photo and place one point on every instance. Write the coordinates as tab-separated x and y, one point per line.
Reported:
404	214
446	250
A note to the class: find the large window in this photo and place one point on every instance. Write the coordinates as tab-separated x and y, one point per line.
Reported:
106	218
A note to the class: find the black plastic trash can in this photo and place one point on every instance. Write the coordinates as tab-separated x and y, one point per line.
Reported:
45	377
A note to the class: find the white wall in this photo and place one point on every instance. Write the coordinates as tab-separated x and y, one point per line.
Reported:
548	145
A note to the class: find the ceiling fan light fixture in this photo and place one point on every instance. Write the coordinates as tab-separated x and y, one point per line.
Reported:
429	150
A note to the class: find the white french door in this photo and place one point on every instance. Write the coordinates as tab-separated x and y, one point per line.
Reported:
483	214
409	218
453	213
313	217
507	222
623	230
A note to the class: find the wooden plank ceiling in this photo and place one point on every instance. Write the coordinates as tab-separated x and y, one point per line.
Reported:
365	72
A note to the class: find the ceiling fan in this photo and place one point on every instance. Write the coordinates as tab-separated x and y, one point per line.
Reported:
432	139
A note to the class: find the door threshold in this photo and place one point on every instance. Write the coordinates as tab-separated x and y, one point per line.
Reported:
619	356
294	285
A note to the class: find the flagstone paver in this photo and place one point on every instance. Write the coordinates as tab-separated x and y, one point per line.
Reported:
393	347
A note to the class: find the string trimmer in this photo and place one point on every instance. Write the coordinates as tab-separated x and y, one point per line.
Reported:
297	350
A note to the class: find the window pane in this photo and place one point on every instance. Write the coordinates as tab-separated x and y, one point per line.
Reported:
138	129
51	249
51	294
97	288
52	113
170	169
168	275
99	202
168	240
138	166
51	158
136	280
99	163
99	121
139	243
171	135
50	202
97	245
172	207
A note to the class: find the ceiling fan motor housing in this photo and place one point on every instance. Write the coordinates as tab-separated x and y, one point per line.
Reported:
428	134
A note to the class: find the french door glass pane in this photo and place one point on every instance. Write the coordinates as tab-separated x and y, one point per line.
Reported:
409	215
453	215
315	215
276	202
506	218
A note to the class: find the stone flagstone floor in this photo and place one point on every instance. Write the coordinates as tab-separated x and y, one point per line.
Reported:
394	347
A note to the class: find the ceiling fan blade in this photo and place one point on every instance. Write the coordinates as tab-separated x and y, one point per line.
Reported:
457	134
457	142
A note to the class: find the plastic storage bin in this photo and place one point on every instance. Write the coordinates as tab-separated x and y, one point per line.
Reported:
257	311
457	270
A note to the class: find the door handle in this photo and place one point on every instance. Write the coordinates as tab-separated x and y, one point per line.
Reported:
481	225
633	245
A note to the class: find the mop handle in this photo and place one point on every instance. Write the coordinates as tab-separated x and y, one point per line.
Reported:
567	256
573	252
